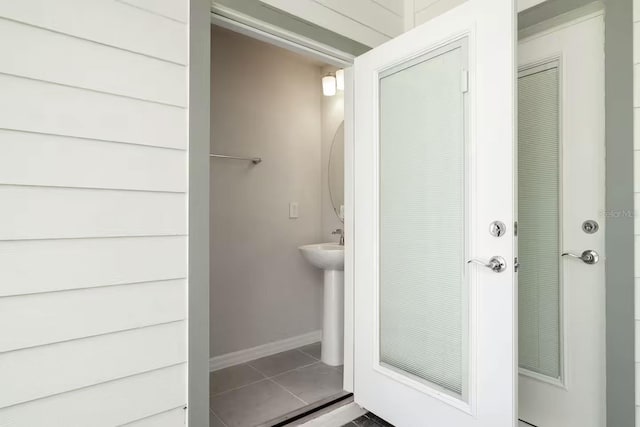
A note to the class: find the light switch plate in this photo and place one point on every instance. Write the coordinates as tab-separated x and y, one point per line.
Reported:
293	210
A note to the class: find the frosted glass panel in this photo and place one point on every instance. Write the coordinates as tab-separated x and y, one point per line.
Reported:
423	303
538	222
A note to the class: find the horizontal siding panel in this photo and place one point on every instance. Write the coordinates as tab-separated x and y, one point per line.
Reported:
43	371
51	317
52	265
104	405
368	13
637	341
636	171
636	216
636	42
43	213
395	6
173	9
420	5
637	296
636	253
88	65
173	418
37	106
636	87
319	14
37	159
437	8
107	22
636	129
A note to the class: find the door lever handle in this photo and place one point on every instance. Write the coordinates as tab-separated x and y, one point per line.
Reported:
588	257
497	264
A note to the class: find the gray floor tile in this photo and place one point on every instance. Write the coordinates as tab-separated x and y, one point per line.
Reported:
282	362
378	420
312	383
313	350
232	377
214	421
365	422
253	404
370	420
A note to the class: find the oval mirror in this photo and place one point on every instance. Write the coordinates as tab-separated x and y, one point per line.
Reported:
336	172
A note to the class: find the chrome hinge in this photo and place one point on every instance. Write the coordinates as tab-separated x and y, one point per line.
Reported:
515	228
516	264
464	81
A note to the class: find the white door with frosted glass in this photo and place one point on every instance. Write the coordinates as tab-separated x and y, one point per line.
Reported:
435	334
561	155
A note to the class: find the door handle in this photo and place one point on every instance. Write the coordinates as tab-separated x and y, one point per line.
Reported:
497	264
588	257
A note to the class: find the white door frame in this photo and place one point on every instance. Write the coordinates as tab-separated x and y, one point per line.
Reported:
233	20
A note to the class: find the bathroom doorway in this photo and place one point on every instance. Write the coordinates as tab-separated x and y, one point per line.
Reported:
277	210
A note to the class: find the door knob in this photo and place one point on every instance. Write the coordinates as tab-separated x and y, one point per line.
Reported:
497	264
588	257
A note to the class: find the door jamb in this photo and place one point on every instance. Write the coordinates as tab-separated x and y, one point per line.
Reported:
244	24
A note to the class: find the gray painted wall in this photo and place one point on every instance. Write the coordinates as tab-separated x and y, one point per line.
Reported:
266	102
332	117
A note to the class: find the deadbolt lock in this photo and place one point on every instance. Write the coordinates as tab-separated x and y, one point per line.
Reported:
590	226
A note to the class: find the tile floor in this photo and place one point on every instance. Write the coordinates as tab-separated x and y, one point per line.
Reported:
368	420
253	393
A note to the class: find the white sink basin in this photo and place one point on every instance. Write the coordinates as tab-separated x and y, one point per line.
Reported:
326	256
330	258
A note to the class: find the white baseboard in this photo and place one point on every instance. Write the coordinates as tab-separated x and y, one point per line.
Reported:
243	356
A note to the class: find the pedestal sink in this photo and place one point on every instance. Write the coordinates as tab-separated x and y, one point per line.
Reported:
330	258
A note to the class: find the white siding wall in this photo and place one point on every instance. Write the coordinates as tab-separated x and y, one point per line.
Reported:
420	11
417	12
93	226
370	22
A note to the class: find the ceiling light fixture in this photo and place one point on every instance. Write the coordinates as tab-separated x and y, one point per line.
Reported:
329	85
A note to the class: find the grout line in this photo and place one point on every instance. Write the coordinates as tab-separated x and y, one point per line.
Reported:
267	377
291	370
287	390
239	387
254	368
307	354
219	419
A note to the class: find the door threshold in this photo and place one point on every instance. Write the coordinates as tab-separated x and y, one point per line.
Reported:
311	411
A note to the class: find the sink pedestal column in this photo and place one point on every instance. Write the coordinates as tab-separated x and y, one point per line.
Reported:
333	318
